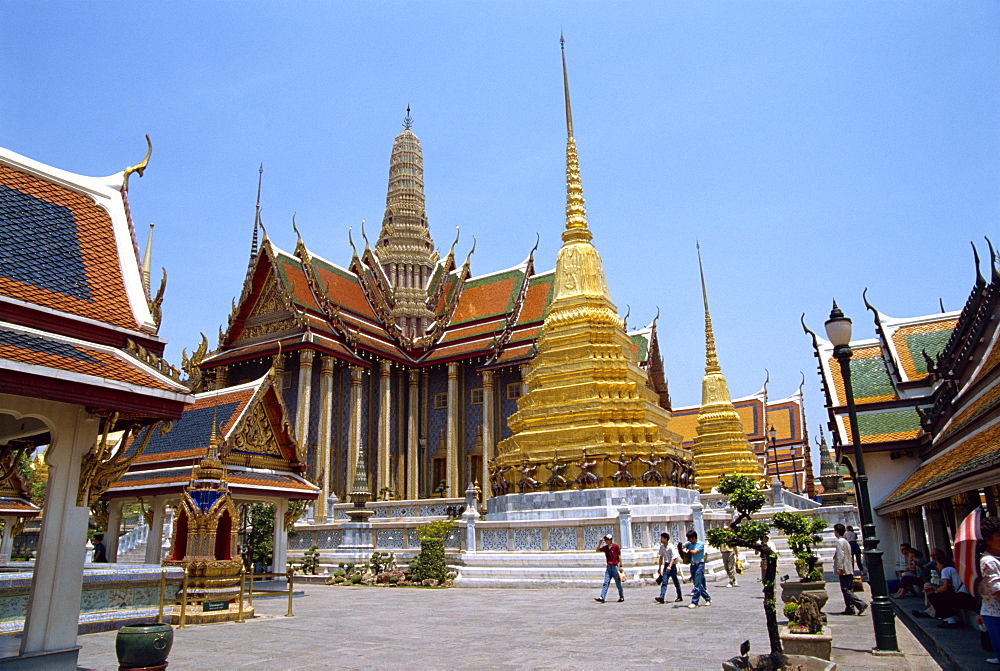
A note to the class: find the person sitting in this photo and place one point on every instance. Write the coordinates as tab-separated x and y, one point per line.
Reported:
949	597
915	576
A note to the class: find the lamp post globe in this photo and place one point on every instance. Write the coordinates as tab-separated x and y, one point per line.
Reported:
838	330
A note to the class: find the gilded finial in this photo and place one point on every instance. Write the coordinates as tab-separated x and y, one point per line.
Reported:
711	358
451	252
468	258
408	121
576	212
365	237
141	166
147	261
296	229
350	241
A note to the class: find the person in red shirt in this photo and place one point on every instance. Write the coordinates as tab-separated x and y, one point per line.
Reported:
613	555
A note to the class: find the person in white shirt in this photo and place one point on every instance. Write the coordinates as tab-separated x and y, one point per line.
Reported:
989	586
949	597
843	565
667	568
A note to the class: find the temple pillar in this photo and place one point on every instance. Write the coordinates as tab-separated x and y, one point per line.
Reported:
115	507
154	540
354	428
221	377
324	443
7	543
488	437
304	397
384	475
917	538
53	610
451	436
279	555
412	435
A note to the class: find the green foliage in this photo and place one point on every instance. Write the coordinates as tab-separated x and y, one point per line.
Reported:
436	530
257	532
382	561
430	563
803	534
789	610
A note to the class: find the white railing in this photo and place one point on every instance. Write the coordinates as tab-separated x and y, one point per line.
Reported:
133	539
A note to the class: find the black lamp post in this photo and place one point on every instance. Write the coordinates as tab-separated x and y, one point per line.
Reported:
795	470
773	435
838	330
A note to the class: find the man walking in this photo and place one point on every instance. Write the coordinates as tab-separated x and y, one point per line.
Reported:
729	563
613	555
667	568
695	549
843	565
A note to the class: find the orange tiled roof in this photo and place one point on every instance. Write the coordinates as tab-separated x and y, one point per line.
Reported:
75	236
487	296
867	373
342	288
37	348
901	340
537	298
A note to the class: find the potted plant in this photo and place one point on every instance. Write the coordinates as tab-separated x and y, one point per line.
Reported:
803	536
807	632
441	490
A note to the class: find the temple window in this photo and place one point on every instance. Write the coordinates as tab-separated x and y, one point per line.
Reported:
441	401
514	390
476	396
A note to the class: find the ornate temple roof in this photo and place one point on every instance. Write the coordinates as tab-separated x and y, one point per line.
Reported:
258	449
960	416
76	321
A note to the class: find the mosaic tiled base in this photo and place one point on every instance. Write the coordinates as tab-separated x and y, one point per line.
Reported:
562	539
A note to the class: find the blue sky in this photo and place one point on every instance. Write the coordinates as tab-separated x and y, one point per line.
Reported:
814	149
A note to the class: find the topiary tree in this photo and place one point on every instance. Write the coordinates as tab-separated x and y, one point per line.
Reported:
803	535
430	563
746	532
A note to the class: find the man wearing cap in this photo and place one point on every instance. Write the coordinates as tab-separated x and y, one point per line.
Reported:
613	555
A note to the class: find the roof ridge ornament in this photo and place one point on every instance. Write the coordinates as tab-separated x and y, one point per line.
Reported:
408	121
140	167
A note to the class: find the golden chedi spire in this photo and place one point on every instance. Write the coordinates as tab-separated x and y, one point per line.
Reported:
721	447
404	247
586	390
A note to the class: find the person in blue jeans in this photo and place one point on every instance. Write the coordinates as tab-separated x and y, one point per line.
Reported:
667	568
613	555
695	549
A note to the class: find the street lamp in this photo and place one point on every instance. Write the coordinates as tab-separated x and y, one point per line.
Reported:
773	435
838	330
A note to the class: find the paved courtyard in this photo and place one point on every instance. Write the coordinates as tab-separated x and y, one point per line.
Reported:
371	627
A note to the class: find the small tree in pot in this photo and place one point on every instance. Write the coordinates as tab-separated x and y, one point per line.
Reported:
803	534
748	533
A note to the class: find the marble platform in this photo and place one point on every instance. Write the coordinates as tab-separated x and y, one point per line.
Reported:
591	503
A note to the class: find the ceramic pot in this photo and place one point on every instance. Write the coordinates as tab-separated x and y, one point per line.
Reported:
143	645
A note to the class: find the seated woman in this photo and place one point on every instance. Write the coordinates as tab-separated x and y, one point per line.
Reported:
915	576
949	597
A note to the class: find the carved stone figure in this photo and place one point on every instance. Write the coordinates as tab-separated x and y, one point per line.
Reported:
652	473
622	477
557	480
527	483
586	478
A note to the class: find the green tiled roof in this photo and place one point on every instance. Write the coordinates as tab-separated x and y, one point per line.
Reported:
933	343
643	345
870	378
888	421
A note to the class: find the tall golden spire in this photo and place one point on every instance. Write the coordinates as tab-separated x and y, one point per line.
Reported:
721	447
586	390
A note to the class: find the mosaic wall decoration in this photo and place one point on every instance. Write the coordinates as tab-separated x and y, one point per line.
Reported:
303	540
637	540
494	540
562	538
527	540
389	539
399	511
593	535
433	511
455	539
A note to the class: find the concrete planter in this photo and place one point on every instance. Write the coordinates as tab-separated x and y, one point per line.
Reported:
795	663
814	645
791	589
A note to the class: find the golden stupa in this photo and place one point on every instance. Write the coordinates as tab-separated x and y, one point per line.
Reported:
587	397
721	447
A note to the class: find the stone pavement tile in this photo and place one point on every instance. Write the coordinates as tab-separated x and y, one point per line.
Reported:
396	628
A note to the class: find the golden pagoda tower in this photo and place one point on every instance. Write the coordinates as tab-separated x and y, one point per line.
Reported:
721	447
586	395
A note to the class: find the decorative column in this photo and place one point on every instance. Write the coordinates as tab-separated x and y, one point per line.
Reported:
324	445
8	535
154	540
51	620
384	477
304	397
412	437
452	430
111	533
354	428
279	541
470	516
488	437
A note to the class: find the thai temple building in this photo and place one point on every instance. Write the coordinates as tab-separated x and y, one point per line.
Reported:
80	359
423	362
928	399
